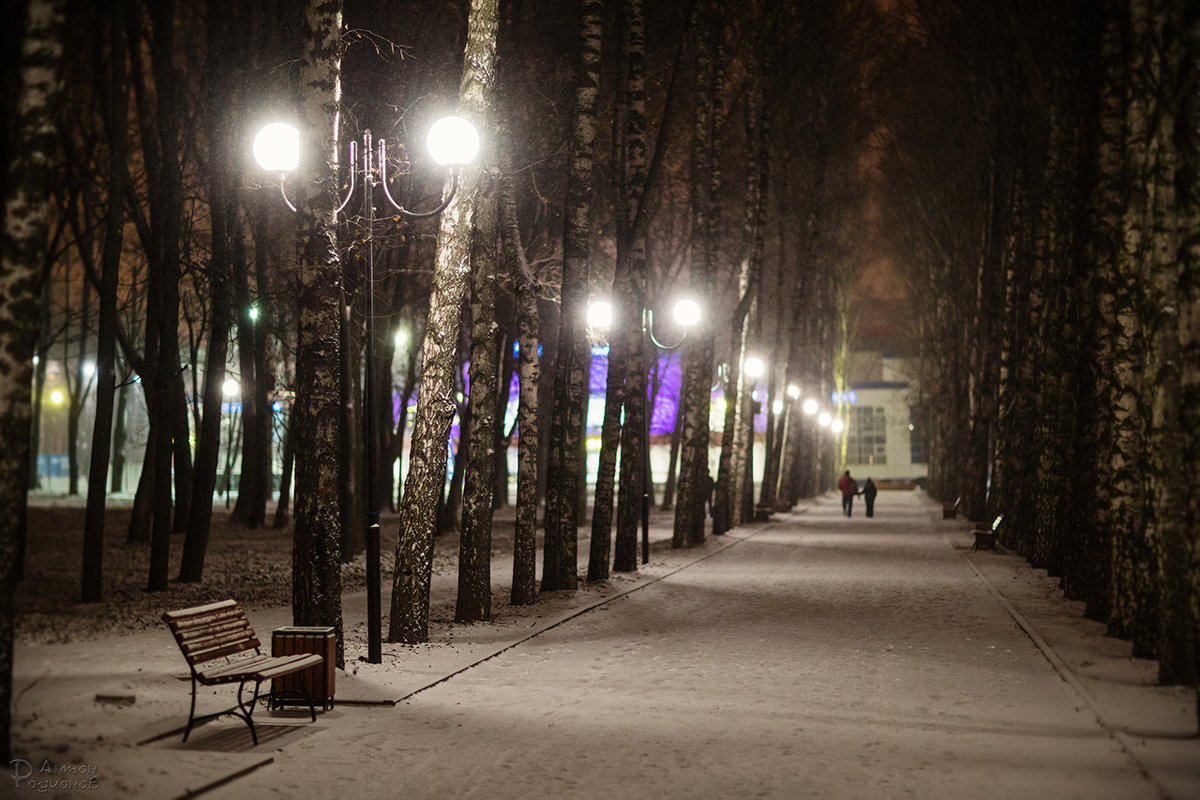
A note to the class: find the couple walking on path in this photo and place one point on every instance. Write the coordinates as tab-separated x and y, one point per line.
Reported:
849	488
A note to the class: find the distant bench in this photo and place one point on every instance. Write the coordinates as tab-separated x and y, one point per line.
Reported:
985	537
220	647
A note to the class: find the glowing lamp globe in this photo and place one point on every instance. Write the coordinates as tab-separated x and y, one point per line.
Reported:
755	367
277	147
686	313
230	387
599	315
825	420
810	406
837	426
453	142
793	391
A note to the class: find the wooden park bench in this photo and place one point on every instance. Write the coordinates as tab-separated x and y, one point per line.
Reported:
220	647
985	537
950	510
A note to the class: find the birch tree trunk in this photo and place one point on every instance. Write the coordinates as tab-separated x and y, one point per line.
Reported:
475	542
316	564
1131	572
435	399
626	364
25	238
560	554
1173	544
524	581
698	350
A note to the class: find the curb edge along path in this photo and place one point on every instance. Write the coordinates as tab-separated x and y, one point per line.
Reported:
1064	671
236	772
725	541
994	733
1162	740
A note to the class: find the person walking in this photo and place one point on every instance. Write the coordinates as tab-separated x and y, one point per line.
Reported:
868	492
849	488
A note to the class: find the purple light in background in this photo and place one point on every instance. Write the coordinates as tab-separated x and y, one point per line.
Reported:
666	402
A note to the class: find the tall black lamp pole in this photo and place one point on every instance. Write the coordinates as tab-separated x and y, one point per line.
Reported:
453	143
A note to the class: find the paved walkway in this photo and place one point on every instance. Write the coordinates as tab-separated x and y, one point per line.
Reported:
814	656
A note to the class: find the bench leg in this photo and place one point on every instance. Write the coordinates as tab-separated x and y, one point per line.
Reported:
192	712
247	712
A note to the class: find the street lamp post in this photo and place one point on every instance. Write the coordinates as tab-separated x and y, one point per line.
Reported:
453	143
687	314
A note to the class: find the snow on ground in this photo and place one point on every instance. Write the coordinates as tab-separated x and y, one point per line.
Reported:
812	656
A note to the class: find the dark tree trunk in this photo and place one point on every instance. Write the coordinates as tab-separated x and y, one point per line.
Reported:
690	511
353	503
106	335
223	179
119	439
559	566
285	477
1188	186
161	133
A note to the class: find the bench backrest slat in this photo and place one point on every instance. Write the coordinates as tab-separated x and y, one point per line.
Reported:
196	632
216	630
204	648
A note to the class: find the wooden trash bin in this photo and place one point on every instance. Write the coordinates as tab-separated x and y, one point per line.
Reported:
950	510
317	680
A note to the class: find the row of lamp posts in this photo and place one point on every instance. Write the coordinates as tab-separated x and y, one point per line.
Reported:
687	314
453	143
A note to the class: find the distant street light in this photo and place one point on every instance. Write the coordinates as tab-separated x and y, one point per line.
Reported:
230	388
825	419
811	406
453	143
754	367
837	426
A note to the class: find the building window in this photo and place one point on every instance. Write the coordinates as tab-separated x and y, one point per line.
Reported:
916	438
866	440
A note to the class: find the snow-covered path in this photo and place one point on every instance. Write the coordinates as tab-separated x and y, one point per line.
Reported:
820	657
